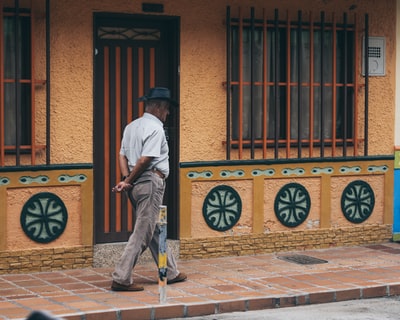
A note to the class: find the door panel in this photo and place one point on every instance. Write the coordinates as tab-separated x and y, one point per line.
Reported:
132	54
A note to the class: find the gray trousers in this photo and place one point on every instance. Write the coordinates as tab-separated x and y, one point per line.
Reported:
147	194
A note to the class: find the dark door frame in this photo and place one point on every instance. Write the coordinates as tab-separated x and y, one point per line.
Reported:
171	25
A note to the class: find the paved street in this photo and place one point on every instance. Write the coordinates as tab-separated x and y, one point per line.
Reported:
387	308
271	282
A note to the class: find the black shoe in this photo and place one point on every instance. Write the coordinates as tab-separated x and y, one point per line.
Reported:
179	278
115	286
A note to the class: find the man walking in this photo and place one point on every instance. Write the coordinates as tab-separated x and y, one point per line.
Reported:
144	165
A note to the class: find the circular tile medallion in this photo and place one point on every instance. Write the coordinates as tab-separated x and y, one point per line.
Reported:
292	204
222	208
358	201
44	217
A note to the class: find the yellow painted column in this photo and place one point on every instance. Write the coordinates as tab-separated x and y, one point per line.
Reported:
185	198
3	218
258	205
325	217
389	194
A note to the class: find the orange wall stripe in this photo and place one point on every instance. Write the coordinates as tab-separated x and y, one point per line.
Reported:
334	87
129	84
117	133
311	87
1	88
33	118
152	67
240	84
356	86
140	78
129	111
265	87
106	141
288	87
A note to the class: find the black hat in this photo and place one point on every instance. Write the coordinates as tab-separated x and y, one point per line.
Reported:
159	93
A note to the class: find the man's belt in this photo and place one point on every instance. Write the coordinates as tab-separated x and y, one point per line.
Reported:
158	172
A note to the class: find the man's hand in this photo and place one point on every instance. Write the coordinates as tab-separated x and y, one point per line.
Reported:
122	186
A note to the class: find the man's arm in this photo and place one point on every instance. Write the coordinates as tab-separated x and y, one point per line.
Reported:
123	165
141	165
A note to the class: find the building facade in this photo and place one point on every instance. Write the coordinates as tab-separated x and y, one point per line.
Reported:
284	139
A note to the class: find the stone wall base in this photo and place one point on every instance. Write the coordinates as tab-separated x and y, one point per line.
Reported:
40	260
107	254
199	248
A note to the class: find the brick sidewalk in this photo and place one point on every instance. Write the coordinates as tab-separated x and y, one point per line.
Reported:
214	285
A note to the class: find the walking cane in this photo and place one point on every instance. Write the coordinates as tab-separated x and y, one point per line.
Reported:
162	254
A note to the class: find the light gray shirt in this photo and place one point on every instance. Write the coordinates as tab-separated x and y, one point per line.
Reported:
145	136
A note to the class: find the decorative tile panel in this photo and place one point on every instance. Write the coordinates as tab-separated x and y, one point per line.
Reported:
296	171
64	178
202	174
222	208
292	205
38	179
326	170
345	169
4	181
44	217
259	172
357	201
231	173
378	168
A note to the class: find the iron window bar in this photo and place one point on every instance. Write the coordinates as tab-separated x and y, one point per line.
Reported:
25	121
348	137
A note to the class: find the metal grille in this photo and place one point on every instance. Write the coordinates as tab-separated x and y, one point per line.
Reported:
292	86
18	86
374	52
302	259
116	33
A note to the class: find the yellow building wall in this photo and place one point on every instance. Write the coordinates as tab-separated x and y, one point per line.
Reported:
73	248
202	70
258	187
17	197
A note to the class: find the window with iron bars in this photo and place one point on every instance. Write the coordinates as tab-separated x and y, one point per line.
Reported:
17	60
19	141
292	87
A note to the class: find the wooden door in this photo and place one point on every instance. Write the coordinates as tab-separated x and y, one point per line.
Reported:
132	54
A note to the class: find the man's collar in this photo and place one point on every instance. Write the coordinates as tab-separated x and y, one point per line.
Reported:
152	117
